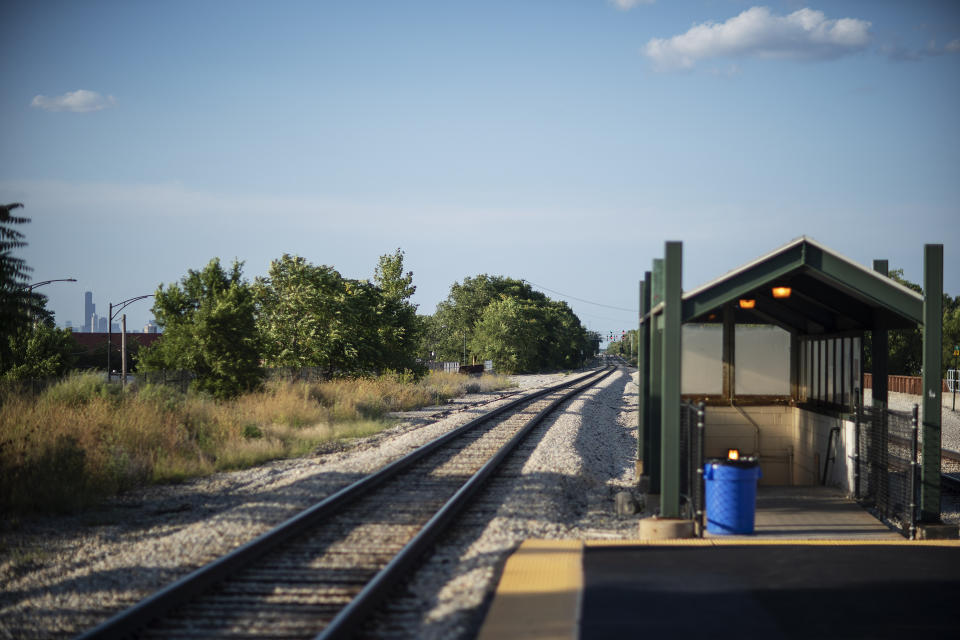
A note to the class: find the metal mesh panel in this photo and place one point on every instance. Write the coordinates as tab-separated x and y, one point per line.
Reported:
887	465
691	463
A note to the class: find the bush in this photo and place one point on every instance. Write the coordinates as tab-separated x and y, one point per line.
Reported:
80	389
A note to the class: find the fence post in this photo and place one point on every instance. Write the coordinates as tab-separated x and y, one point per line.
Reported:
698	505
914	468
856	444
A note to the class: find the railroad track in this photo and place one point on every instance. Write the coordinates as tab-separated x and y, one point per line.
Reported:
324	571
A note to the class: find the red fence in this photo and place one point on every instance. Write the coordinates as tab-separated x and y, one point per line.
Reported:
901	384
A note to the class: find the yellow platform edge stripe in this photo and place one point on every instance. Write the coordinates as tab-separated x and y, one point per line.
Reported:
736	541
539	593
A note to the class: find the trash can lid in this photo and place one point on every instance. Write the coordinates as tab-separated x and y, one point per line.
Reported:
742	463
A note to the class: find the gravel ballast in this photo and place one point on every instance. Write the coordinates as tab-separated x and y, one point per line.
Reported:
64	574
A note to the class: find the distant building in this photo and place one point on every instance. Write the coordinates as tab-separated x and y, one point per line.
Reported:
89	311
150	327
102	325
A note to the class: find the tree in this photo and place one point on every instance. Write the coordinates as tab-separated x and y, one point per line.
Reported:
508	333
40	350
300	314
553	333
456	316
310	315
398	329
208	328
17	304
905	349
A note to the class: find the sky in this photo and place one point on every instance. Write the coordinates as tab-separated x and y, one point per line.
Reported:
558	141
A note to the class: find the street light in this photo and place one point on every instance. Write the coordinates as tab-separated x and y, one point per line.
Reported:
33	286
40	284
120	306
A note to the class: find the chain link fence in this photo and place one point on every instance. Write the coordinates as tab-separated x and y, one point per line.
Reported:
887	465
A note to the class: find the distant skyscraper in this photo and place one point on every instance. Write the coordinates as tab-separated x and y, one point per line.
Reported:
150	327
102	324
89	309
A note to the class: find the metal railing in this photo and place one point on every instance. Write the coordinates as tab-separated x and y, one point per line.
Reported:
691	463
887	464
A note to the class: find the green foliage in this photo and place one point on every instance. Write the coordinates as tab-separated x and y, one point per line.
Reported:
507	333
209	328
311	316
40	350
905	350
299	317
163	397
18	305
398	326
79	389
505	320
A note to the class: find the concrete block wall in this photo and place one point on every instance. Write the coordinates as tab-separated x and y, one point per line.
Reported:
791	443
737	427
813	434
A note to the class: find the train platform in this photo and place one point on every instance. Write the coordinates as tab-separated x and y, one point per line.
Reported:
818	565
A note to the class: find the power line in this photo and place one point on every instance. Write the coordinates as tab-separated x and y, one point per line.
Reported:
579	299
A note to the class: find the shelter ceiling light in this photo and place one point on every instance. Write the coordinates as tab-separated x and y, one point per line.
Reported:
747	304
781	292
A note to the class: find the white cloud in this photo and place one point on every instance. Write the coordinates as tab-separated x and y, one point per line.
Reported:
804	34
626	5
901	54
79	101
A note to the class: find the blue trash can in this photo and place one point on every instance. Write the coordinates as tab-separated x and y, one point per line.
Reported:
731	487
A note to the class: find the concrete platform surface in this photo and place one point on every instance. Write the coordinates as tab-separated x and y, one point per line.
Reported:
814	513
772	589
818	566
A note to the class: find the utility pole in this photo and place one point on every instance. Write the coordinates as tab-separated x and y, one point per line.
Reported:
123	350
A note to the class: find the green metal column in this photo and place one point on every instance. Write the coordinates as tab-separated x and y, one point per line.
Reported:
880	348
670	383
652	463
879	454
932	386
728	354
643	379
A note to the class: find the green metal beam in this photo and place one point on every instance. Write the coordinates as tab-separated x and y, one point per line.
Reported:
652	462
880	291
643	378
775	267
728	353
670	396
849	297
932	386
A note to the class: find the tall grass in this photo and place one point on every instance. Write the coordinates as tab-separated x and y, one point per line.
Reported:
82	439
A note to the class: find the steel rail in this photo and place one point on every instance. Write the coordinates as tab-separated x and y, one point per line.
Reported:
179	592
353	615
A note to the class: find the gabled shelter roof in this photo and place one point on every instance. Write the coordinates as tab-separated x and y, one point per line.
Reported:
829	294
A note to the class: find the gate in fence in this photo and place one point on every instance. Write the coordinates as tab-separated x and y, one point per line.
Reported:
888	465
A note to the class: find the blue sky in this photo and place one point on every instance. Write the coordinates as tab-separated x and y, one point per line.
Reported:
558	141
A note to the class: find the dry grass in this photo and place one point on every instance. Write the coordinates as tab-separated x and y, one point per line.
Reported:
82	440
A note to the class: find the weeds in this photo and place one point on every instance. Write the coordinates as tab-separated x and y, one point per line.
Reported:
83	439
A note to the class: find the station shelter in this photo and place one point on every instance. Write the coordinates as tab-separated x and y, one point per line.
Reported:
774	351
